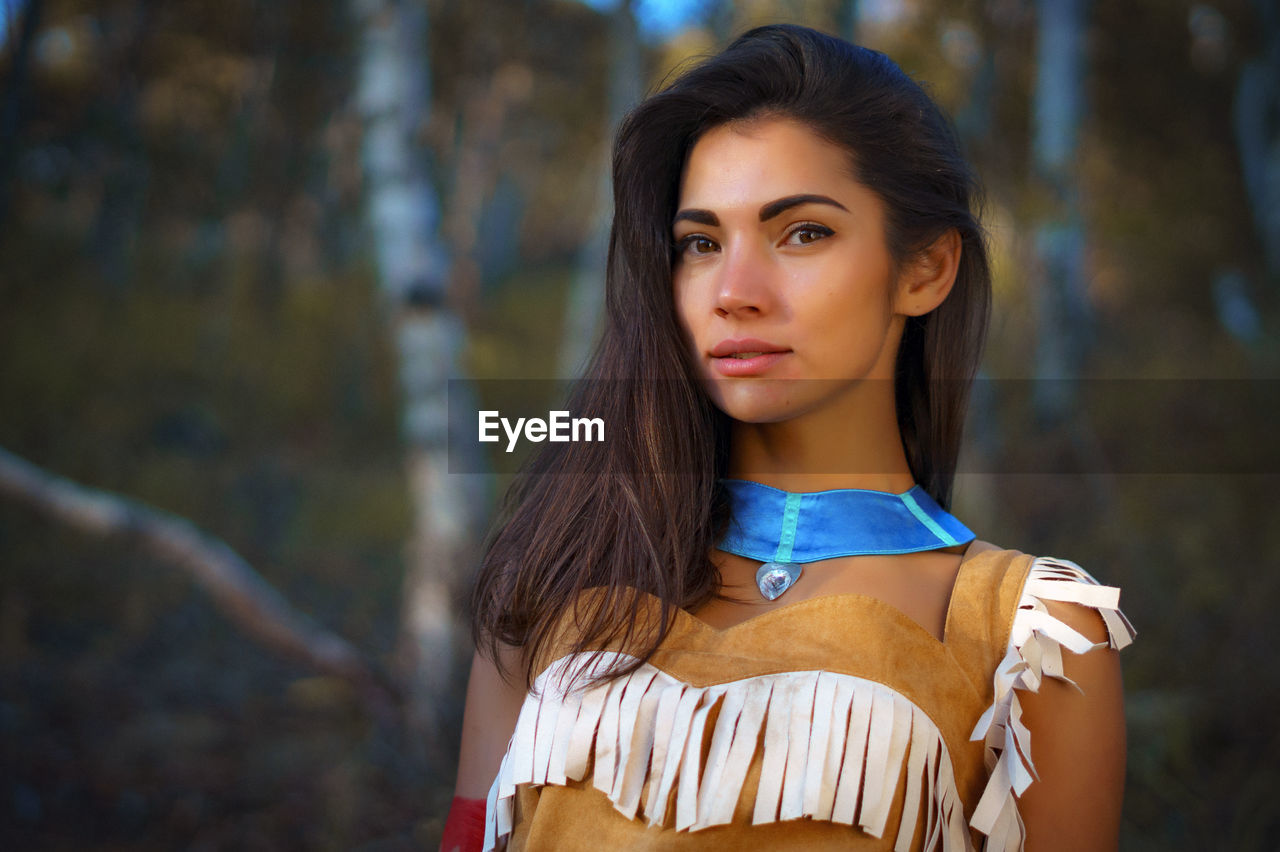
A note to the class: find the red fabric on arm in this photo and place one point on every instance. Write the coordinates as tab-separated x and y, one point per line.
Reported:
464	829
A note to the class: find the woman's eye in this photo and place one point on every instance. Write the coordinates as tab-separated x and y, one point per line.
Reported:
696	244
810	233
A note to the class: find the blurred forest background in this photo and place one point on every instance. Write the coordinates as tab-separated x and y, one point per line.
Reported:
244	244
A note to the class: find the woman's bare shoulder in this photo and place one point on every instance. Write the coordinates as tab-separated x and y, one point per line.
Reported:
1065	692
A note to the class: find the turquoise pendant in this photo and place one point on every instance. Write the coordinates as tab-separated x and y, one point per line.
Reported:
774	578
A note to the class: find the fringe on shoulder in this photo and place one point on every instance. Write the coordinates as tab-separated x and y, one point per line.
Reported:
1034	652
834	748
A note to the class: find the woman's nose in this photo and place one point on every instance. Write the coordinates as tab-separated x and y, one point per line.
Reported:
744	287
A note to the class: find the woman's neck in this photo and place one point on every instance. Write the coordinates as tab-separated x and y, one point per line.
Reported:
852	445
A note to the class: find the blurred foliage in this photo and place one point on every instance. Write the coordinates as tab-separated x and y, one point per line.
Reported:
188	316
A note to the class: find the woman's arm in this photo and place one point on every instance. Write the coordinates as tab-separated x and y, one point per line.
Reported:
1077	745
493	704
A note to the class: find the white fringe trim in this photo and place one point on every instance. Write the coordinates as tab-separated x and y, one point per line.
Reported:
1035	652
827	738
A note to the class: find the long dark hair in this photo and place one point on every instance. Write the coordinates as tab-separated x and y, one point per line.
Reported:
649	512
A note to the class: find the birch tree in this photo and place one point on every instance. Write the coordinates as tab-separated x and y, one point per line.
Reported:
403	215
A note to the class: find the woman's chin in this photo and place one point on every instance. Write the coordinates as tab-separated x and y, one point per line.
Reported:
759	401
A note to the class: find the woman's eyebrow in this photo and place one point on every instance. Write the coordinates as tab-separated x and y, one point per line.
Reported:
773	208
702	217
767	212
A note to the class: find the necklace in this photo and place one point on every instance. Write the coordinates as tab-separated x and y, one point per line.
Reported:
784	529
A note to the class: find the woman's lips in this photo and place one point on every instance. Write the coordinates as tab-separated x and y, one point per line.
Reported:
732	366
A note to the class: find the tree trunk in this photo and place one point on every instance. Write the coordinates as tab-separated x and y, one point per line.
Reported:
394	102
1063	315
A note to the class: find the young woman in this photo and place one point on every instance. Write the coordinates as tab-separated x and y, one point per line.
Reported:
746	620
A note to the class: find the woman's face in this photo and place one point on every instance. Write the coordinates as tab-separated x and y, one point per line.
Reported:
782	272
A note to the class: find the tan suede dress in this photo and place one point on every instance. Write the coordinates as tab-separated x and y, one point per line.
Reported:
835	722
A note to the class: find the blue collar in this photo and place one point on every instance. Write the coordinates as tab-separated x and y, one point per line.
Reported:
777	526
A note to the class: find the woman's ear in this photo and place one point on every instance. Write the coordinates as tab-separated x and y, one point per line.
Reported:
928	277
